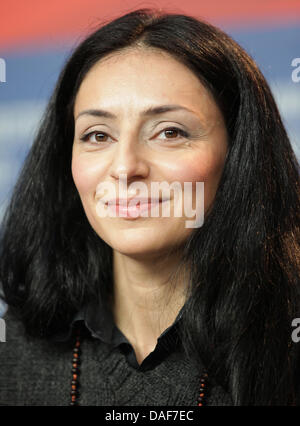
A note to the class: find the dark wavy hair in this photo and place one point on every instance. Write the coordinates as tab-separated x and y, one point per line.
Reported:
244	260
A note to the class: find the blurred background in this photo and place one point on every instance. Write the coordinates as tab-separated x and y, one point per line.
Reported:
36	38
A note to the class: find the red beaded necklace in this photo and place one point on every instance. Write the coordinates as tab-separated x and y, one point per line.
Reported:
75	395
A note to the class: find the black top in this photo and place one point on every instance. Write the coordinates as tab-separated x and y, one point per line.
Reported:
38	372
99	320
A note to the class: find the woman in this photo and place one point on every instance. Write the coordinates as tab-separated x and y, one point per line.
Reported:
148	310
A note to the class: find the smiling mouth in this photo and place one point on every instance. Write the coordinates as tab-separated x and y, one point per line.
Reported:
132	209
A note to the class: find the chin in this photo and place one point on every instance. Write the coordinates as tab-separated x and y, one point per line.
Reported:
137	239
137	249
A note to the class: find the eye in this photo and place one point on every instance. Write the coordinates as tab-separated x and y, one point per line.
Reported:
98	139
171	131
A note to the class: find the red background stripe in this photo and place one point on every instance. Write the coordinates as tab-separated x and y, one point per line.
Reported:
31	21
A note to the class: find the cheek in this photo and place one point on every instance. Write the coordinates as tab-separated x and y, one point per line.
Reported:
86	173
198	167
204	167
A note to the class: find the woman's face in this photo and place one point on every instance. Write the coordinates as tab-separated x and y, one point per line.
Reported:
125	146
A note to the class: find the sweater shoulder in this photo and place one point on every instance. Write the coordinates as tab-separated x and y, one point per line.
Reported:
27	364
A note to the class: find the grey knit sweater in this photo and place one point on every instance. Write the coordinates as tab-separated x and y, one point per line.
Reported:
38	372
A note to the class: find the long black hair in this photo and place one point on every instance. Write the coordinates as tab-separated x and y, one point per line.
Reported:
244	260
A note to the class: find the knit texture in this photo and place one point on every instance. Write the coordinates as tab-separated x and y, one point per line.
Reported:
38	372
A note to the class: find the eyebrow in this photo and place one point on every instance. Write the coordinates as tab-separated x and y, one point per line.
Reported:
152	111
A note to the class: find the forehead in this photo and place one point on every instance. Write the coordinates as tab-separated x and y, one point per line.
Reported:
135	78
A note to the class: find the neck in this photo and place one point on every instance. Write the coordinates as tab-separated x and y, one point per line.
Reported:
146	298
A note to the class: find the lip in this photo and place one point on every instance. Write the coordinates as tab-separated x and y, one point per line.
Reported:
133	208
134	201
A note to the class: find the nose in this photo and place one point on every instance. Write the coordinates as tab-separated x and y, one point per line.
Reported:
129	159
